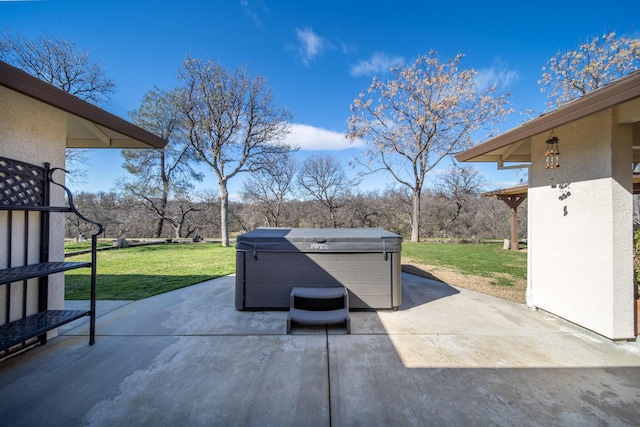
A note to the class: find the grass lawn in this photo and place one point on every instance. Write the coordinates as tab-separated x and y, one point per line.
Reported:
486	259
140	272
485	267
81	246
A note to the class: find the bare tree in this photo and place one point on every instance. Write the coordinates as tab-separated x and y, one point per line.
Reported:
593	64
111	209
267	189
233	123
62	64
206	222
76	163
159	173
247	217
489	217
363	210
181	207
398	209
322	177
76	227
455	187
424	114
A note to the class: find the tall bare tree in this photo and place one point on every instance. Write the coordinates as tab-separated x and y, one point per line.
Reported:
64	65
425	113
593	64
233	123
322	177
160	173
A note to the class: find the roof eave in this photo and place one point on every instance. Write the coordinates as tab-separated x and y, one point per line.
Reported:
22	82
620	91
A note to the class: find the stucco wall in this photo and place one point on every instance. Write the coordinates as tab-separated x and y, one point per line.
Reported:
35	133
580	229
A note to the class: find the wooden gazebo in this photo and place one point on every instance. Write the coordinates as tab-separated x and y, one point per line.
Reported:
513	197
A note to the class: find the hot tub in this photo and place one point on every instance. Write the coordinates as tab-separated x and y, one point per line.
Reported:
272	261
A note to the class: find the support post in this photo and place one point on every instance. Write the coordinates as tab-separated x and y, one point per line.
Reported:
513	201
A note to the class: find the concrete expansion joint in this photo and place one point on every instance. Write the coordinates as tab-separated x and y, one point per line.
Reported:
328	373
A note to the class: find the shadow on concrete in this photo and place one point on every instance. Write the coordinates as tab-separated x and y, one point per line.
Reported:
412	269
429	288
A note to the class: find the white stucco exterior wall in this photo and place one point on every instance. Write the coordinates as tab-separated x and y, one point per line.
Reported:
34	132
580	230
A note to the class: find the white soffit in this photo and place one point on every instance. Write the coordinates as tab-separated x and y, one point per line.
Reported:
82	133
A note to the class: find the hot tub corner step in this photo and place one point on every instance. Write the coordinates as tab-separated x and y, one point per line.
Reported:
326	317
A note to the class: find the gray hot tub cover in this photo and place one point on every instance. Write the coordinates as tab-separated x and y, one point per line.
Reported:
319	240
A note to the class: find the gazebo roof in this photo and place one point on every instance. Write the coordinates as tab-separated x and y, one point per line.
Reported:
520	190
88	126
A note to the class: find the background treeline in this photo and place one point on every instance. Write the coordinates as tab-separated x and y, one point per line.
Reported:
198	214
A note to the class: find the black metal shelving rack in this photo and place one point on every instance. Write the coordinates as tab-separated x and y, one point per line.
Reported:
25	205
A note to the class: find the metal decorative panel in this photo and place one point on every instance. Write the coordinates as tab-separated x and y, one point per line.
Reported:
21	184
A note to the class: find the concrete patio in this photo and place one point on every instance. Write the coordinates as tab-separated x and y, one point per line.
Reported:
447	357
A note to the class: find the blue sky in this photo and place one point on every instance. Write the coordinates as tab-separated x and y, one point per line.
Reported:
316	55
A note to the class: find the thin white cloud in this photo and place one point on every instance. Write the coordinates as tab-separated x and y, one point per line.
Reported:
313	138
251	10
310	45
498	75
346	48
378	63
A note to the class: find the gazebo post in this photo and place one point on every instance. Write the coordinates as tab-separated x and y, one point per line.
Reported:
513	201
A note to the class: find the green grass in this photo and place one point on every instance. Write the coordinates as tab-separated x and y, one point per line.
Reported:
81	246
486	259
140	272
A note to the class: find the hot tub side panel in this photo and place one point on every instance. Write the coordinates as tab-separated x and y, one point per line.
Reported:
396	280
240	291
266	279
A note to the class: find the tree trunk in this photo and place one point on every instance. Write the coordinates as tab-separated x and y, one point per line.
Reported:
180	226
165	195
159	227
332	214
224	209
415	220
